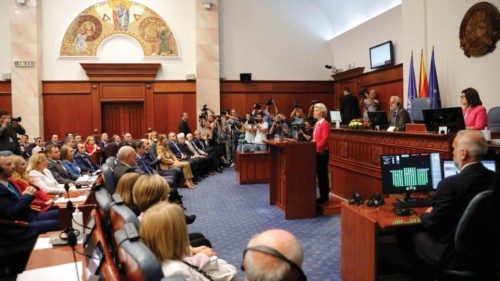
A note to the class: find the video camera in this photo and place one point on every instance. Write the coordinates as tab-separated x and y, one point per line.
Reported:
269	101
296	104
257	106
204	112
313	102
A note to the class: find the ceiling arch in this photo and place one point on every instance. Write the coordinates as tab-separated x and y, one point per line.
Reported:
103	20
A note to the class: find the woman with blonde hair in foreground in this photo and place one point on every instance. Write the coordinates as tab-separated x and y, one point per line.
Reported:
163	229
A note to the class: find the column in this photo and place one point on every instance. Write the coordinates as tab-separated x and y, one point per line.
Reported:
26	49
207	55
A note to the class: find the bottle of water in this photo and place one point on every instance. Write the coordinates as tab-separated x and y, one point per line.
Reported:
277	137
487	134
77	222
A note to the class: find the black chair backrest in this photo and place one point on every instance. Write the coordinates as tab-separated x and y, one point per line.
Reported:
475	236
152	149
494	119
119	215
111	161
136	261
107	174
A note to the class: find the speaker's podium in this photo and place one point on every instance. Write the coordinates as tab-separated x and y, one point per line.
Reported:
292	185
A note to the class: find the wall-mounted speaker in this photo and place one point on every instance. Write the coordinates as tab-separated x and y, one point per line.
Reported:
245	77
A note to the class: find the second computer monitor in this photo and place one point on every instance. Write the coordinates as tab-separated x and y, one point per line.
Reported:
451	117
378	118
405	173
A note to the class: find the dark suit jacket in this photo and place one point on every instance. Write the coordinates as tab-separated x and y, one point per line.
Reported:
184	127
399	118
452	196
349	108
111	149
119	170
8	138
14	208
85	162
58	171
175	149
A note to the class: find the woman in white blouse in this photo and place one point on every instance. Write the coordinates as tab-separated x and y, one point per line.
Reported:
41	176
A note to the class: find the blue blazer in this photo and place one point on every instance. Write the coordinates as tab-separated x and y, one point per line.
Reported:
85	163
73	169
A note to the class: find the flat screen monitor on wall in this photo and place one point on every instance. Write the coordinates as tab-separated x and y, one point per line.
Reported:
382	55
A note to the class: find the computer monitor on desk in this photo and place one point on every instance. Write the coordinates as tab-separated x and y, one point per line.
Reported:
451	117
407	173
449	168
378	118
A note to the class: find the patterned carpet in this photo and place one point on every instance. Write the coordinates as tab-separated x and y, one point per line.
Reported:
230	214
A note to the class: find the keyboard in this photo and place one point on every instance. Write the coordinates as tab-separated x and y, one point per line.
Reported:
413	203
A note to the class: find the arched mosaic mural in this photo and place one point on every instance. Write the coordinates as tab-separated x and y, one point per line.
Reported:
100	21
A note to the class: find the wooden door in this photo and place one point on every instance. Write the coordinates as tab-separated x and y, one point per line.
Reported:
119	118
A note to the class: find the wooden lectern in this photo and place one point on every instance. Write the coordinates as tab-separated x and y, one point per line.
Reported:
292	184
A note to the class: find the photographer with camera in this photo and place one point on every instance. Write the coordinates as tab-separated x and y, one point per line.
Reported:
249	128
280	127
236	124
9	130
305	134
296	120
261	127
369	102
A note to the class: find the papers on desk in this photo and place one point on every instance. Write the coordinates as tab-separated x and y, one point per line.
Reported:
42	243
86	180
63	272
80	198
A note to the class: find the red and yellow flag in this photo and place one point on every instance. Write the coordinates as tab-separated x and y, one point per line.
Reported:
422	79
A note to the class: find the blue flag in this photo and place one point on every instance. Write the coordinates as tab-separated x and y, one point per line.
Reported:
412	85
434	85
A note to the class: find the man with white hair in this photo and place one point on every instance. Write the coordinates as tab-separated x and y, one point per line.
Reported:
183	155
126	158
398	115
273	255
434	246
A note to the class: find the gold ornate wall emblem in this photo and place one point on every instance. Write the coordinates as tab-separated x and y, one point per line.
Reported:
93	25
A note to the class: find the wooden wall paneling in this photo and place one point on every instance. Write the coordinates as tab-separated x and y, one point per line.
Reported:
67	107
122	117
149	106
6	96
170	99
122	92
96	107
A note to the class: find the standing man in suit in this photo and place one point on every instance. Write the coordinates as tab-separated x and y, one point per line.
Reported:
398	115
349	107
183	124
55	165
8	133
434	245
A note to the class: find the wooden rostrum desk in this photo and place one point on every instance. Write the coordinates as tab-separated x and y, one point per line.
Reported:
354	162
360	226
292	184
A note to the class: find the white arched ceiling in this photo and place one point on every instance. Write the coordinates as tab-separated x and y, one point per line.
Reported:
344	15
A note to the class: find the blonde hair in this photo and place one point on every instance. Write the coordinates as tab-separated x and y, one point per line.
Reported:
321	107
35	159
163	229
17	161
125	185
148	190
87	140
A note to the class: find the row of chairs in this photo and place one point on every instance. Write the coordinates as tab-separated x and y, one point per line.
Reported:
131	259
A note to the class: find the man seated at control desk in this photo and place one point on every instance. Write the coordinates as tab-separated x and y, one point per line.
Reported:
433	246
398	115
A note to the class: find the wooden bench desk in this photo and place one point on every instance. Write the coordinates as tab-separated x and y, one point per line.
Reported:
252	167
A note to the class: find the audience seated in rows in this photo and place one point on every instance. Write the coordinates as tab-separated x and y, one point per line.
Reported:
69	163
124	188
84	161
55	165
169	160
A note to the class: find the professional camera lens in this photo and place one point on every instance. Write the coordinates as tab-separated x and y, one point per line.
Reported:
17	119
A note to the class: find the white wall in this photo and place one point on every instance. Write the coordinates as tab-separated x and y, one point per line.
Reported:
430	23
5	41
352	47
178	14
274	40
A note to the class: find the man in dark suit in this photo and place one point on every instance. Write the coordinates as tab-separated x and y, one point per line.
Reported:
349	107
398	115
434	246
183	124
84	161
55	165
126	158
8	133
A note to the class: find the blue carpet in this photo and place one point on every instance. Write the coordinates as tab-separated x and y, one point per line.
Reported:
229	214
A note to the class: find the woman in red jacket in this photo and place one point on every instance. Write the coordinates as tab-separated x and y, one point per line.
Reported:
20	179
320	137
475	116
